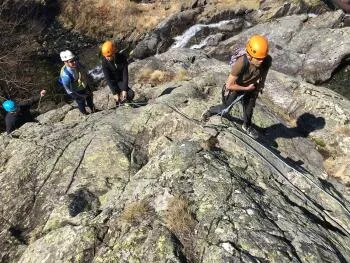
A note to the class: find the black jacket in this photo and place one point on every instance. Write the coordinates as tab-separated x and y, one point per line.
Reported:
16	119
116	73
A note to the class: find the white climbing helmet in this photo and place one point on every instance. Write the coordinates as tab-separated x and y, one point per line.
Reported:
66	55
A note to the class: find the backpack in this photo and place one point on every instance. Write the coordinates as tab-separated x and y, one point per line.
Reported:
237	53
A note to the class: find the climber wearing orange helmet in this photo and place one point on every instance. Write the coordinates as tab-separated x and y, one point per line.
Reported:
115	70
246	80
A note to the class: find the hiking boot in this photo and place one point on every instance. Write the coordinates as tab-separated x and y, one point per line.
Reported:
206	116
249	130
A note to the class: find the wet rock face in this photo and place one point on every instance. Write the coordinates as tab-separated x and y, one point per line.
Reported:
131	184
161	38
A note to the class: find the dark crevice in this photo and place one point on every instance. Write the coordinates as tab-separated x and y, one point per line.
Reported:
77	167
246	253
312	217
178	249
17	233
339	255
56	161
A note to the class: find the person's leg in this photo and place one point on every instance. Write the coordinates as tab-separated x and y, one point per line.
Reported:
90	103
130	94
248	107
118	103
89	99
80	100
81	106
226	105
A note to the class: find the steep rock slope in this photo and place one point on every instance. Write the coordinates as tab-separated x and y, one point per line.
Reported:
144	184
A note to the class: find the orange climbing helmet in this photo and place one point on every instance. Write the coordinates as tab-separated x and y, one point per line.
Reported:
257	46
108	49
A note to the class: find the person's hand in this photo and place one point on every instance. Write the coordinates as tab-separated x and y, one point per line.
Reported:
250	87
42	93
123	95
116	97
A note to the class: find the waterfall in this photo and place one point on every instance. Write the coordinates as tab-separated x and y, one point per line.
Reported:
96	73
182	41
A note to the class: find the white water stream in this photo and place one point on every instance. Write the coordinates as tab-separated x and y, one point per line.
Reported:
182	41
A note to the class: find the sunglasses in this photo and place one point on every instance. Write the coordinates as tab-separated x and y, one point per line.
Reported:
72	60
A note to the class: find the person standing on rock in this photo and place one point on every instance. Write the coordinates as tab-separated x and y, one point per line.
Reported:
115	70
246	80
19	114
76	81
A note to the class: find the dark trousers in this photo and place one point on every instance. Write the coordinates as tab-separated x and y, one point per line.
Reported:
83	97
130	94
248	102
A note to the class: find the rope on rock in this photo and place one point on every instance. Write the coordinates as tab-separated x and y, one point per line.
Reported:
283	165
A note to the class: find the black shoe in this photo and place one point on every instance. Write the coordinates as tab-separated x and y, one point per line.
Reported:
250	131
206	116
93	110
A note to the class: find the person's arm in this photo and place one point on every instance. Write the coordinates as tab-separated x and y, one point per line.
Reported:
25	105
236	71
231	84
108	77
66	82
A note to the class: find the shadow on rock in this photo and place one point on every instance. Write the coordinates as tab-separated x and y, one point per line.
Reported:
167	91
81	201
306	123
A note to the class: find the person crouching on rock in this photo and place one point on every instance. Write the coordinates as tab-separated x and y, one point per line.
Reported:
19	114
247	78
76	82
115	70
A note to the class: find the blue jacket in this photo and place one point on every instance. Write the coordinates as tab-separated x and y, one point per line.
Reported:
71	79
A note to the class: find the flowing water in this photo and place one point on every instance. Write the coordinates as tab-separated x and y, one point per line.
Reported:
185	39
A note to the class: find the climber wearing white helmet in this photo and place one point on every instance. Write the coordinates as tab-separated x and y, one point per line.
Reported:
76	81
